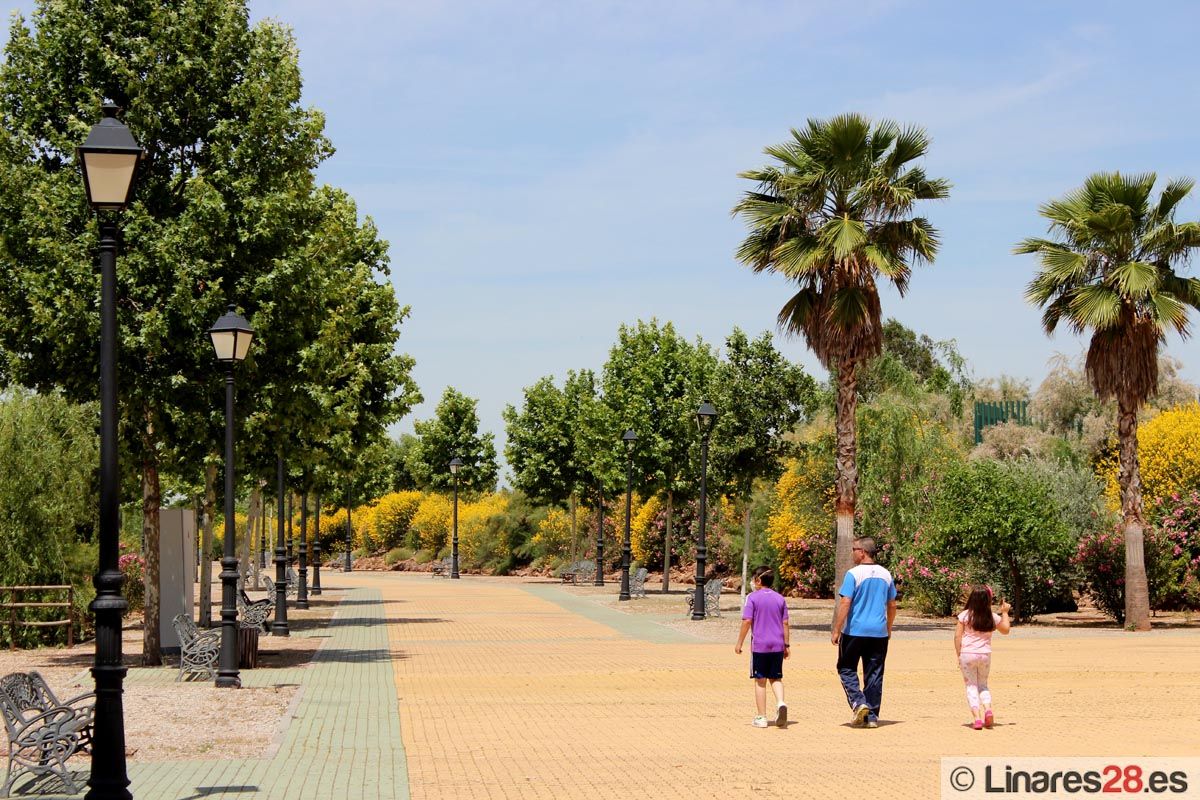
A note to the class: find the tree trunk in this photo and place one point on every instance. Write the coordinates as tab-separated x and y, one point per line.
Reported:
1137	590
746	550
666	581
847	467
253	513
206	542
574	529
151	501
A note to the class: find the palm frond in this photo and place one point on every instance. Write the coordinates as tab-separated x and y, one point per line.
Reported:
1170	312
1172	193
844	236
1094	307
1135	279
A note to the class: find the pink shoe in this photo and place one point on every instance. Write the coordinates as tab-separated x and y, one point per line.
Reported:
977	724
988	719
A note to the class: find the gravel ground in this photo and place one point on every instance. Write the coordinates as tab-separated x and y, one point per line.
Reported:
193	720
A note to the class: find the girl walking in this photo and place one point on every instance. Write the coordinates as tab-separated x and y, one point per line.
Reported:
973	646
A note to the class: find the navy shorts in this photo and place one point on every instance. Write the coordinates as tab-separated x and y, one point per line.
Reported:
766	665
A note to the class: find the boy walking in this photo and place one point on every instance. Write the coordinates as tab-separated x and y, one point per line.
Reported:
765	618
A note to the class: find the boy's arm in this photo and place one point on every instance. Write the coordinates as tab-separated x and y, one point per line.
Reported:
737	648
891	615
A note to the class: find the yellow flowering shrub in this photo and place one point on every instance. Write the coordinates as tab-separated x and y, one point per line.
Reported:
431	522
1167	457
392	518
643	533
800	521
553	534
476	544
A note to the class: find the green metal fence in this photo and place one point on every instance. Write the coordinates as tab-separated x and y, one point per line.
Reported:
1003	411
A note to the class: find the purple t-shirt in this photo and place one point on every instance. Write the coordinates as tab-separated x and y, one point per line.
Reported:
767	611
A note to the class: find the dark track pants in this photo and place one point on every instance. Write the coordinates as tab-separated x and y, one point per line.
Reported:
872	651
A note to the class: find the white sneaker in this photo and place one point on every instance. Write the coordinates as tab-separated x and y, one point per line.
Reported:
860	716
760	722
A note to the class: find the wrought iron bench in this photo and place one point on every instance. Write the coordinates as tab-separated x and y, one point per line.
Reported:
198	650
637	583
253	613
289	588
579	571
43	732
712	598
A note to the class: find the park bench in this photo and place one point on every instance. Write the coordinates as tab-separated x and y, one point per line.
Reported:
198	650
43	732
443	568
712	598
637	583
289	588
580	570
253	613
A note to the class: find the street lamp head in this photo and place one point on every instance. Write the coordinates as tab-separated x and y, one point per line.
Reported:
231	336
706	415
629	437
456	464
110	158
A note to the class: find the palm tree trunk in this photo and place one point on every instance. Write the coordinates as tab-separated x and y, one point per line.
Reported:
847	467
666	581
1137	590
206	540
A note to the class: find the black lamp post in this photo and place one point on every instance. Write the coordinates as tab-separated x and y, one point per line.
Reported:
316	587
626	550
231	337
456	464
262	541
109	159
600	536
302	584
705	416
280	626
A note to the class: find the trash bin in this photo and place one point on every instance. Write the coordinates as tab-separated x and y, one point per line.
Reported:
248	647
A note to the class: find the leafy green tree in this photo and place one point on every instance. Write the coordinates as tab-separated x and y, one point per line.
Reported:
1110	268
541	444
225	211
399	455
834	213
454	431
654	380
49	448
764	397
911	358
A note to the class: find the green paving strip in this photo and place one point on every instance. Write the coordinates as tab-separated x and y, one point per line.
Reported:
343	742
632	625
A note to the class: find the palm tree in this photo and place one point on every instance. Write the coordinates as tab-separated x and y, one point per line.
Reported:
1109	268
834	213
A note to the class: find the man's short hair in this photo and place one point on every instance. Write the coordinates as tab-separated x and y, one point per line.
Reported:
866	544
765	576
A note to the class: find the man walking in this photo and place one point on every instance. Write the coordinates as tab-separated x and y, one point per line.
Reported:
865	613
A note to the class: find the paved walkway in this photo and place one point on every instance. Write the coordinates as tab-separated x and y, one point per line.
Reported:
511	692
489	688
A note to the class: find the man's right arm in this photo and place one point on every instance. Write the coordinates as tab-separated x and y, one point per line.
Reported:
839	620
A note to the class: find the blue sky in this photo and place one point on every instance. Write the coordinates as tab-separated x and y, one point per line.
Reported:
545	171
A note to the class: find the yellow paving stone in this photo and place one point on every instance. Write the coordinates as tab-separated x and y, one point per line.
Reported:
504	694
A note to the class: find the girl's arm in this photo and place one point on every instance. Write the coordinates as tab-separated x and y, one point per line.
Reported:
958	634
1005	625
